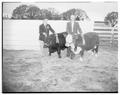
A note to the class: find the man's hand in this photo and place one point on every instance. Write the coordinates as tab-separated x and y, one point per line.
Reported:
45	34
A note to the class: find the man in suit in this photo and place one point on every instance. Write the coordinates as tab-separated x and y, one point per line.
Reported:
44	31
74	29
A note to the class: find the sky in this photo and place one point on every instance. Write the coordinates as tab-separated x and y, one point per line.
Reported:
95	10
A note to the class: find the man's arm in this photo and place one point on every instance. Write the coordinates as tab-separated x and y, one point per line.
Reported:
51	29
40	30
67	28
79	29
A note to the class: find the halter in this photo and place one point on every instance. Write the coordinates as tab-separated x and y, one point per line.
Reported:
69	42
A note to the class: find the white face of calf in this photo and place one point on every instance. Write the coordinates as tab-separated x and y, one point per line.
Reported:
77	51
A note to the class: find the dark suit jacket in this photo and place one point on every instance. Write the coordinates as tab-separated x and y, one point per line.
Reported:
43	29
76	28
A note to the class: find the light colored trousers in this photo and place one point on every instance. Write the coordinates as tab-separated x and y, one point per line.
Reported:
41	44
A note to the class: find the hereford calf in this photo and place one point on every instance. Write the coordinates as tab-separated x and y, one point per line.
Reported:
91	43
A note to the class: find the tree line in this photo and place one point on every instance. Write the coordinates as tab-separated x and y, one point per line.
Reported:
33	12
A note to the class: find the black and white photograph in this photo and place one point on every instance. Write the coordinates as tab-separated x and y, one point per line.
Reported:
60	47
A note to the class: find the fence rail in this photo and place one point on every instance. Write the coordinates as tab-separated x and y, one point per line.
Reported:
108	36
24	34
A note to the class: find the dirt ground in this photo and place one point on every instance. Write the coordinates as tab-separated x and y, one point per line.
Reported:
28	71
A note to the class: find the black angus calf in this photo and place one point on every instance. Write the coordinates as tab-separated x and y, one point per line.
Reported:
56	43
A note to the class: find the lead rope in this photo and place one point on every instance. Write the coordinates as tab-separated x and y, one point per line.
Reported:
57	40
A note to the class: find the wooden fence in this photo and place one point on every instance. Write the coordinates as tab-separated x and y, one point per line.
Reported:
108	36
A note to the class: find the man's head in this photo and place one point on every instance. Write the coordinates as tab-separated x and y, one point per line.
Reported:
45	21
72	17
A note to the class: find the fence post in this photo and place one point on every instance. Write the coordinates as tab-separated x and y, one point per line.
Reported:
112	37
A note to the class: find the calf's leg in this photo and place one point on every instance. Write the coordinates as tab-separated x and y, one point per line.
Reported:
68	52
49	51
81	55
96	51
72	55
59	52
93	51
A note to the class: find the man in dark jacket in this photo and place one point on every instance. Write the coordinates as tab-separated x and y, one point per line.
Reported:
44	31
